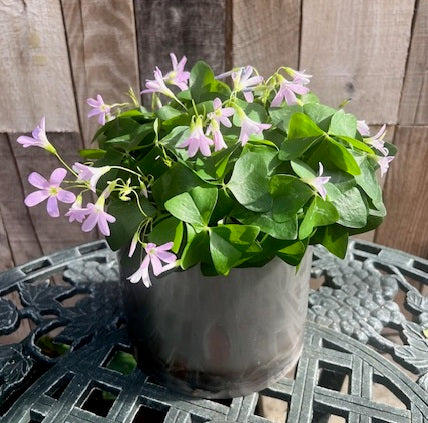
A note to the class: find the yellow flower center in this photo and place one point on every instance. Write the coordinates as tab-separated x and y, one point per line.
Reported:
53	191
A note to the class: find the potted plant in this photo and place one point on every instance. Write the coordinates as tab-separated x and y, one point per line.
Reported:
213	197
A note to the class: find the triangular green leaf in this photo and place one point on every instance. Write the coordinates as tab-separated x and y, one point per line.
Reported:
92	153
228	243
293	252
320	114
167	230
176	180
196	249
195	206
319	213
367	179
302	169
334	238
213	167
287	229
128	217
281	115
289	196
301	126
334	155
178	135
152	163
168	112
204	86
360	145
343	124
352	209
293	149
250	182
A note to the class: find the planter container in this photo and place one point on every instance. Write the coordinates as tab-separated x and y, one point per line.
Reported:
218	337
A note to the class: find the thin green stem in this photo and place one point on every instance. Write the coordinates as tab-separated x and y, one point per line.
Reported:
144	229
119	104
139	204
76	186
194	107
181	104
126	170
65	164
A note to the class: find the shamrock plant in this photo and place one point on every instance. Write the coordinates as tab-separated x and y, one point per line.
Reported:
222	175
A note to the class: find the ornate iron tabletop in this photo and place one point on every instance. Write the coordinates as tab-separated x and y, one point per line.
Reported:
68	363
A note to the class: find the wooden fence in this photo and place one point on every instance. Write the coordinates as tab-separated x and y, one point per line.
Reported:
54	54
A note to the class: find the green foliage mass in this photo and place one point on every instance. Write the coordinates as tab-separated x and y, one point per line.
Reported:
244	205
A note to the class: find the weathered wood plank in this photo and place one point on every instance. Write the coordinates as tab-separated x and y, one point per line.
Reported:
406	195
266	34
103	53
414	99
19	229
35	78
53	234
6	259
184	27
358	50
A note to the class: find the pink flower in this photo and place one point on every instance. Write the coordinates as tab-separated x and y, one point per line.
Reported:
214	128
197	140
377	141
97	216
363	128
157	85
76	212
99	108
299	77
134	242
319	181
249	127
384	162
287	91
38	139
220	114
90	174
243	81
178	76
155	255
224	75
49	190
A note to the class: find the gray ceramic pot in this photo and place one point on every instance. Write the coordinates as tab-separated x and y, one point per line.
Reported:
218	337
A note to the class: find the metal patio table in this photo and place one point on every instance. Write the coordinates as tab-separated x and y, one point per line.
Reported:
353	322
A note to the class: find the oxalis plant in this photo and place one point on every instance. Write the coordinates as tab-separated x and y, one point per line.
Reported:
222	175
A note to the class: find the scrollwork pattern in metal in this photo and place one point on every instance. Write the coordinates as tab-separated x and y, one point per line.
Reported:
82	313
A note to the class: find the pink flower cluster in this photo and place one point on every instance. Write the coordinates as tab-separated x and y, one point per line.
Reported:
243	81
178	76
288	89
90	216
378	143
199	141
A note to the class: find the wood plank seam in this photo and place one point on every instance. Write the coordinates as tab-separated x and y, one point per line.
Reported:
300	36
73	79
413	106
11	262
228	43
406	66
